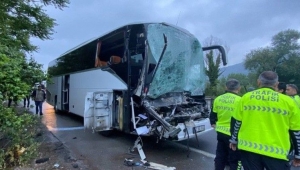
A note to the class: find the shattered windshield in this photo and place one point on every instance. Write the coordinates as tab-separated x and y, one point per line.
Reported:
181	67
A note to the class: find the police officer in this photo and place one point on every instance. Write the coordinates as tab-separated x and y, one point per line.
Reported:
223	107
264	123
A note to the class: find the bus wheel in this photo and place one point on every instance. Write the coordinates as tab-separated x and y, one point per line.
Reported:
55	104
106	133
55	107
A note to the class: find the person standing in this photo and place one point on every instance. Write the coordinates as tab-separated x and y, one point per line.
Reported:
292	90
265	121
39	97
223	107
26	99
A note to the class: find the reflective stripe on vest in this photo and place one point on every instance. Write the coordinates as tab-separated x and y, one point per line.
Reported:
259	148
223	129
266	109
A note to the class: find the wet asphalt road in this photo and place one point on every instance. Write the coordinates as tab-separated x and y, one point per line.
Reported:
109	153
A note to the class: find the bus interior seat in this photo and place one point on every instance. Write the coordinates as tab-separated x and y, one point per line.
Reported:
103	63
115	59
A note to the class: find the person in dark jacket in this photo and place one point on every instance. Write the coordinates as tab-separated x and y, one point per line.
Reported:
281	87
26	100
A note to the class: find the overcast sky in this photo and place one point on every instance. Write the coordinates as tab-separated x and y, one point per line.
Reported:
242	25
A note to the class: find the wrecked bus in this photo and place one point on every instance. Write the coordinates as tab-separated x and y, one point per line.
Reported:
145	79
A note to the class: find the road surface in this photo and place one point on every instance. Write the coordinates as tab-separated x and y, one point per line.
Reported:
105	153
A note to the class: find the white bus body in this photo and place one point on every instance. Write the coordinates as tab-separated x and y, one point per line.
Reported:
145	79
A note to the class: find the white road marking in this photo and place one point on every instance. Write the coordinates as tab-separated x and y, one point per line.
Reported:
210	155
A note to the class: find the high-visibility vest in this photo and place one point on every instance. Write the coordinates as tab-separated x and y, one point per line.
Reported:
297	100
266	116
223	106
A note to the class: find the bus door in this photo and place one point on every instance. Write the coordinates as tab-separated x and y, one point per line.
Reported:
65	92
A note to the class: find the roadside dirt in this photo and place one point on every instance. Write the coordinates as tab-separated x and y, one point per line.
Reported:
53	154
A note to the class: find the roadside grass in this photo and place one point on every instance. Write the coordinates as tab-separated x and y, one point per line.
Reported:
18	132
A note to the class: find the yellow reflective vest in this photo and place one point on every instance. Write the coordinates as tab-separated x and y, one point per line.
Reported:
224	105
297	100
266	116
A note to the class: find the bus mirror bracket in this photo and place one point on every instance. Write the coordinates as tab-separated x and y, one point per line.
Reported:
221	50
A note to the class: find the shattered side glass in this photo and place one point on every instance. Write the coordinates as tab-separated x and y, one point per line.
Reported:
181	67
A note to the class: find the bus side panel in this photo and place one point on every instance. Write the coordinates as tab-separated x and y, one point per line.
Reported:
54	89
51	89
90	81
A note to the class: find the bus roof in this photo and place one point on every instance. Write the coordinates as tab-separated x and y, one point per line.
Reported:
95	38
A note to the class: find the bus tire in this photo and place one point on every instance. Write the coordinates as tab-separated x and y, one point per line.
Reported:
55	108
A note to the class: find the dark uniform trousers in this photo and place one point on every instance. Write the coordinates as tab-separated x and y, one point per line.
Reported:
225	155
253	161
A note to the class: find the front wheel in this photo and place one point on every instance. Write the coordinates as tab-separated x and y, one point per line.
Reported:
55	107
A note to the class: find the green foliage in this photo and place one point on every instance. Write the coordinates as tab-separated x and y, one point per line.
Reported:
12	85
261	59
245	81
283	57
18	135
21	20
213	72
285	42
33	72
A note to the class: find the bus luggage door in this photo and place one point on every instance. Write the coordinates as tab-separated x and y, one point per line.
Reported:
98	111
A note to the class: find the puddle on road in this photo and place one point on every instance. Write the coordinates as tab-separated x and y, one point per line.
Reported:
49	119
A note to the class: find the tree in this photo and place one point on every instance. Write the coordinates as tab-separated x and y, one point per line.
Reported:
11	85
260	60
213	62
283	57
245	81
285	42
213	72
19	21
32	72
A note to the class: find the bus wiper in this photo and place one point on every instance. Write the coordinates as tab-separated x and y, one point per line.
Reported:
160	58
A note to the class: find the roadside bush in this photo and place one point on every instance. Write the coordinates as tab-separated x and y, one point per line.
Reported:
17	137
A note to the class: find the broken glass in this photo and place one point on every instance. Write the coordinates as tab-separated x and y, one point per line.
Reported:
181	67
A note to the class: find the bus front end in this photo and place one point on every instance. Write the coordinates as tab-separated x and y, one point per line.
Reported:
173	84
